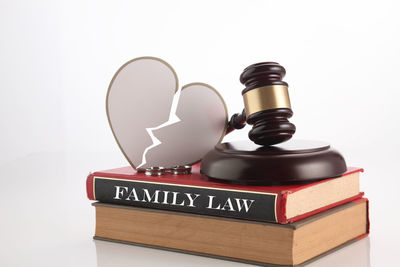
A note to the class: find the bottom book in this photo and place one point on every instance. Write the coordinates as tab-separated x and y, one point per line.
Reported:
232	239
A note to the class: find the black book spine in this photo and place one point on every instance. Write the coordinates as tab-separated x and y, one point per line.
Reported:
184	198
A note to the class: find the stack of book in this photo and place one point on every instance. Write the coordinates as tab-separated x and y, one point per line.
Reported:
278	225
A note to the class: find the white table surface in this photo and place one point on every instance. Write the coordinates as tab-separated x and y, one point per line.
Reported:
48	221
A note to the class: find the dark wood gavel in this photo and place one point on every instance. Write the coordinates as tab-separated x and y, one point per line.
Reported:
266	105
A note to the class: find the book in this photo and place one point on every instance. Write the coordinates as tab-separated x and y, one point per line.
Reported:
233	239
194	193
350	254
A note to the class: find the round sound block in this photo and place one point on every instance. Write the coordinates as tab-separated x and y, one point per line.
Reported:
294	161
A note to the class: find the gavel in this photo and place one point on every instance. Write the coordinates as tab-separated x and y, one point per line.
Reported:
266	105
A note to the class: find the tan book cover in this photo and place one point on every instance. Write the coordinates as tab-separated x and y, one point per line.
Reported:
234	239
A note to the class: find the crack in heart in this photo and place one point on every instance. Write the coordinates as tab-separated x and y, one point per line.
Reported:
172	119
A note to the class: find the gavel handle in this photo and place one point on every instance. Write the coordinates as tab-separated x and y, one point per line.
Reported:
237	121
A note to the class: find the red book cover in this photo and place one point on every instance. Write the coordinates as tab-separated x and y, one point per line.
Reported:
194	193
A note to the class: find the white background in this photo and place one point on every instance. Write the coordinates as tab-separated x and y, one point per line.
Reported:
57	59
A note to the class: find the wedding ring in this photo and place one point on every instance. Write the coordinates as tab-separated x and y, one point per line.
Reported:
153	171
185	169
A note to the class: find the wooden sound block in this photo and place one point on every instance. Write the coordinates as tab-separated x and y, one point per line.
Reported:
294	161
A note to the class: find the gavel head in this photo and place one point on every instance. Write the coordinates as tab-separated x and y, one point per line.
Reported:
267	103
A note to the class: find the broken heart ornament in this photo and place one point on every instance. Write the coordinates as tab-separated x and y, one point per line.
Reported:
157	124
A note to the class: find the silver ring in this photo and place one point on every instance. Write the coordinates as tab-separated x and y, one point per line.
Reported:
185	169
153	171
